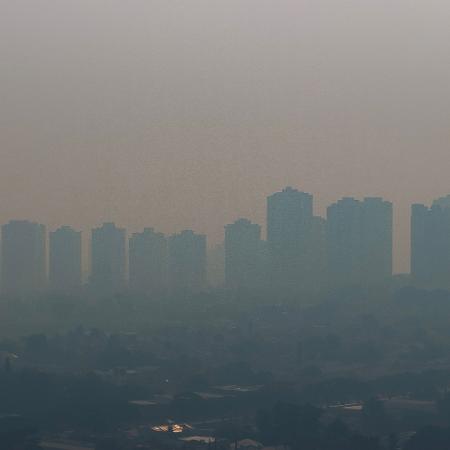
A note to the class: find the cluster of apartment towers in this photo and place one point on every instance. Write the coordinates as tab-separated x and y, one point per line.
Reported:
352	246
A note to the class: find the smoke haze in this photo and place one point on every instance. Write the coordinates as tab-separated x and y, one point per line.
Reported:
187	114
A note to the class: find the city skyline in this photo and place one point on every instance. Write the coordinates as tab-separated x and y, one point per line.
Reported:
225	225
255	213
352	245
217	239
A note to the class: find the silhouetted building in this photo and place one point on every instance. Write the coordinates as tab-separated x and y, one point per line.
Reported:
359	241
243	255
23	258
187	262
443	202
289	218
148	262
377	230
430	245
65	260
316	269
344	223
108	258
215	267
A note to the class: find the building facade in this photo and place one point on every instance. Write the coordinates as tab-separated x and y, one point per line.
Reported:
65	260
289	222
108	258
359	241
23	265
187	262
377	235
148	262
243	255
430	245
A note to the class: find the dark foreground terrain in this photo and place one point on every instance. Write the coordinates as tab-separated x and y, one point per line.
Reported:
348	370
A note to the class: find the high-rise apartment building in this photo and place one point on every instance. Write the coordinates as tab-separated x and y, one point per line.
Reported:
359	241
289	221
148	262
23	262
215	267
65	260
316	268
344	220
377	231
430	245
108	258
187	262
442	202
243	255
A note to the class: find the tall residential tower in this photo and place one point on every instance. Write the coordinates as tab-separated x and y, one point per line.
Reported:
65	260
108	258
23	258
289	222
430	245
359	241
243	255
148	262
187	262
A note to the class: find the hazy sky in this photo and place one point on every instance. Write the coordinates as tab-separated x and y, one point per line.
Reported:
188	113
